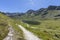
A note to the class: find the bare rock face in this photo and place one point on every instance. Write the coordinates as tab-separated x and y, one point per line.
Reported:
54	8
58	8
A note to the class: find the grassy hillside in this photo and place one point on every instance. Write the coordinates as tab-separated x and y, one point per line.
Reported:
52	12
3	26
44	23
47	29
49	14
49	26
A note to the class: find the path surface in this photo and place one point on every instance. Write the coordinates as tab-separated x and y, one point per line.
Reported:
28	35
10	34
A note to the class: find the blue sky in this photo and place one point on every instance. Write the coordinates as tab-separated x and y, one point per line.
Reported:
24	5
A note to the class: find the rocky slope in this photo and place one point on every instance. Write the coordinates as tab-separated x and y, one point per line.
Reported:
52	12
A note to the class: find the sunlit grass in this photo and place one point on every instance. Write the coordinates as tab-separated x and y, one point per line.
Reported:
47	30
4	25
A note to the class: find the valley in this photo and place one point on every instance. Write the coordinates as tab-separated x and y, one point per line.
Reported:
42	24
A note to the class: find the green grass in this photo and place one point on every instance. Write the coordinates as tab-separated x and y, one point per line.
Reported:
47	30
18	31
4	25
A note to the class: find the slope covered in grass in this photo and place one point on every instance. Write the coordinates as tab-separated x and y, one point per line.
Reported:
52	12
47	30
3	26
5	21
48	23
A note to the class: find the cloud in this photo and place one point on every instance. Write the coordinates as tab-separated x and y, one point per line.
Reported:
32	2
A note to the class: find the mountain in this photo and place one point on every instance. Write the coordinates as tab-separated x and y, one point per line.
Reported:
52	12
44	23
54	8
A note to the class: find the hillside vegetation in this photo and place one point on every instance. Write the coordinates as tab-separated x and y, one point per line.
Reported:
52	12
5	21
44	23
3	26
49	22
47	30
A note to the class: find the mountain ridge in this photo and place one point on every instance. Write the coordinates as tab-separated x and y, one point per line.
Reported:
51	12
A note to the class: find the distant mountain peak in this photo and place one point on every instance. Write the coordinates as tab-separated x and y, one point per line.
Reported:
53	7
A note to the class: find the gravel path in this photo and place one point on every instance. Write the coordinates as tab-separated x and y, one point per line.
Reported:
10	34
28	35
